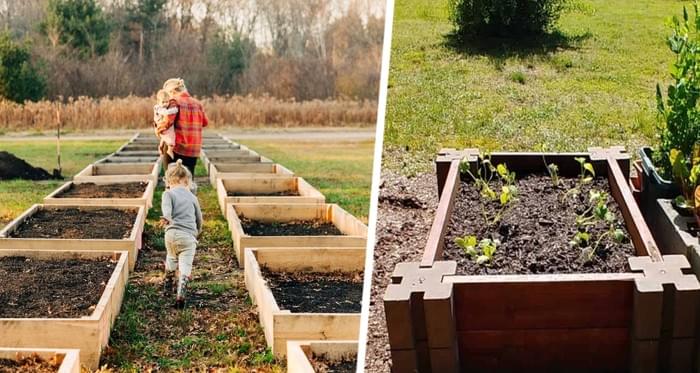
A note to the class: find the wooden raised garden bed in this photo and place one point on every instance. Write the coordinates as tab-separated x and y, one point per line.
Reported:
498	316
115	172
243	158
226	170
315	356
306	294
74	299
137	153
292	225
77	228
220	146
115	158
36	359
127	193
266	189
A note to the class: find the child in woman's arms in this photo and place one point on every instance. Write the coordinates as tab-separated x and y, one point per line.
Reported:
160	114
182	219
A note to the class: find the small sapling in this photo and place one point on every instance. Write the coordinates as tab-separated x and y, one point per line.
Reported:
482	251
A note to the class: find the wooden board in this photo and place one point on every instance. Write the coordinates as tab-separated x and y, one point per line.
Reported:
355	232
145	200
115	158
69	359
300	352
137	153
281	326
89	334
265	185
113	172
132	245
230	170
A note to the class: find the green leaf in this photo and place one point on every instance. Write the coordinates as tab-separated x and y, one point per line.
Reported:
587	180
589	168
471	252
619	235
482	259
502	170
580	160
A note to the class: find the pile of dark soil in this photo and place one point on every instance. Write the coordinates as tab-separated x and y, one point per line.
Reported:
286	193
406	211
322	365
92	190
52	288
316	292
12	167
292	228
77	223
535	232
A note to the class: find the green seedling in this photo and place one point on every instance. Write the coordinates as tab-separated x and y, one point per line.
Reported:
482	252
482	180
597	212
586	176
553	170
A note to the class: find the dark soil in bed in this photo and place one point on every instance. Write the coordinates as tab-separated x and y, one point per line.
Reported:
286	193
316	292
535	232
29	364
52	288
292	228
92	190
322	365
77	223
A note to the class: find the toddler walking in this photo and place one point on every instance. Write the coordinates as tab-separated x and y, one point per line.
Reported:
160	114
182	218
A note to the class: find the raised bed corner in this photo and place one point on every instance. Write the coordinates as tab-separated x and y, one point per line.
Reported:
89	334
354	231
265	189
131	245
68	360
640	321
229	170
280	325
300	353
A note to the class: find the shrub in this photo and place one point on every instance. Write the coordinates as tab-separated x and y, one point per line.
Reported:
680	125
504	18
19	80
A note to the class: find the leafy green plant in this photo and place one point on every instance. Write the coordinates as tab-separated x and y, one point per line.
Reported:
686	172
481	251
553	170
597	212
485	175
586	175
680	113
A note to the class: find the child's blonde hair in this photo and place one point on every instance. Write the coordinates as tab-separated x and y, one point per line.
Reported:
162	97
175	85
176	173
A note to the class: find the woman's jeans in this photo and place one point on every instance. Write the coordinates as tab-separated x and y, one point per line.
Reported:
181	247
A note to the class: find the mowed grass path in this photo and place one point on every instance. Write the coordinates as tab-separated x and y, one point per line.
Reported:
592	87
220	328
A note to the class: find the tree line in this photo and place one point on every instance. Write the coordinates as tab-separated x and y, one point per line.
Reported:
290	49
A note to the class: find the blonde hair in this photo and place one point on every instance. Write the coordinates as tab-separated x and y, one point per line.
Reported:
162	97
175	85
176	173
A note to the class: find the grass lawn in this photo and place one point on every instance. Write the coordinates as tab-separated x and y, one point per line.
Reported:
592	86
220	327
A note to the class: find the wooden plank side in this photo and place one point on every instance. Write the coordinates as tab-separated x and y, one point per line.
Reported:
313	326
552	304
312	259
261	295
69	358
347	223
435	242
545	350
297	361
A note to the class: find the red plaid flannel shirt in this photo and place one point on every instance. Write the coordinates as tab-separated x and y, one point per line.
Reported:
189	122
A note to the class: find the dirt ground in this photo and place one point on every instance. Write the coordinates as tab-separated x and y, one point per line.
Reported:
316	292
406	209
92	190
292	228
78	223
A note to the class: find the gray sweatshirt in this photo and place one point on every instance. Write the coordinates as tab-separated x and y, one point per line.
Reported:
181	208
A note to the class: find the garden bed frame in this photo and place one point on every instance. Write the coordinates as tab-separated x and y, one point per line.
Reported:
673	240
641	321
115	158
300	352
283	325
355	232
137	153
69	359
229	170
115	172
266	184
132	245
146	200
89	334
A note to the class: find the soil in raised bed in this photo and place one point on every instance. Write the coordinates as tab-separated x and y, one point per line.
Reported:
535	232
30	364
291	228
285	193
92	190
316	292
52	288
77	223
322	365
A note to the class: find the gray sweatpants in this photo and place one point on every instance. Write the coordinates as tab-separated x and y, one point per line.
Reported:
181	247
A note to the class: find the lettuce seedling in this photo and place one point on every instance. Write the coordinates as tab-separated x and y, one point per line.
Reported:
598	211
553	170
482	179
482	252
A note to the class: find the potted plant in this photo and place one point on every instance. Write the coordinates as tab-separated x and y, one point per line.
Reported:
686	174
680	124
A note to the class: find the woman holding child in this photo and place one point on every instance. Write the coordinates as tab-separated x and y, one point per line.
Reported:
179	120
